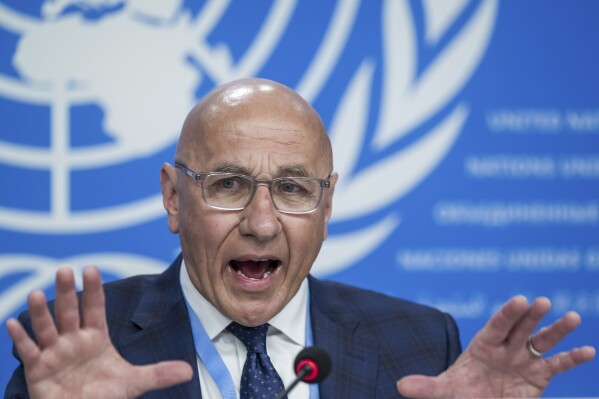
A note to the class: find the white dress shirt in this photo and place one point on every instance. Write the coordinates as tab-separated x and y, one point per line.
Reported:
285	338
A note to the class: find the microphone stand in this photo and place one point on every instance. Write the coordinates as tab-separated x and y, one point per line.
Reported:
305	370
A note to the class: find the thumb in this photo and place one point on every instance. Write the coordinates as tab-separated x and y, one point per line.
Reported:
161	375
420	386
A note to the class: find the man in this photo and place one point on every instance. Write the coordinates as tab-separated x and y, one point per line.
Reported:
250	196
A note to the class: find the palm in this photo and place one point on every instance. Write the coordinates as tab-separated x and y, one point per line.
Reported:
73	357
90	365
497	363
498	376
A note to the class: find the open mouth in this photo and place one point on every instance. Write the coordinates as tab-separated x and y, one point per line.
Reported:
255	269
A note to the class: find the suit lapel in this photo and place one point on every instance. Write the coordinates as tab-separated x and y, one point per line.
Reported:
354	358
164	332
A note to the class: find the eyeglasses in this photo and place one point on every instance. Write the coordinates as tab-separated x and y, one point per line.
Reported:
233	192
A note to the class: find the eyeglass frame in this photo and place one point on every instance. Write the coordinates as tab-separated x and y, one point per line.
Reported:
199	176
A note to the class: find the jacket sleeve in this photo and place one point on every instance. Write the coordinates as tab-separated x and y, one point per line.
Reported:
454	346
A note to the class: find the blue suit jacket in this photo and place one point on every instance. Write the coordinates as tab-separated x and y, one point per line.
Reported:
373	339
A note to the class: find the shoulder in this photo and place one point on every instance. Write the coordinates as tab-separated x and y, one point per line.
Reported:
124	295
149	289
370	304
144	294
384	318
130	287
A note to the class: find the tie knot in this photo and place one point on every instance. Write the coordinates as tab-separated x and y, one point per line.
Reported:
254	338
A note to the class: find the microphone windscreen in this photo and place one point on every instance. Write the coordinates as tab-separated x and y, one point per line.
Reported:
318	359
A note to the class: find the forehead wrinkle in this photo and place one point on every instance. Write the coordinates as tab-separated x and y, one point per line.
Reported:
228	167
261	139
291	170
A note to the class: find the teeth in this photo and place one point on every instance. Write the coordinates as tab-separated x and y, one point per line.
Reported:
266	274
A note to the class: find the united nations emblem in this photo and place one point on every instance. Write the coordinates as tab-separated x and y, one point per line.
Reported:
93	94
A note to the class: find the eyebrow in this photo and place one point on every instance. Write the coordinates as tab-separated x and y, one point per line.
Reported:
291	170
294	170
227	167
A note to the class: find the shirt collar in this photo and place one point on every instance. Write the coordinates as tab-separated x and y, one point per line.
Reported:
291	321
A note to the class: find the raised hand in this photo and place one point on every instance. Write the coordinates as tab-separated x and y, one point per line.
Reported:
73	356
499	362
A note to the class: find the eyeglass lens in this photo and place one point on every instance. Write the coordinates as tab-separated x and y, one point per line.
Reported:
288	194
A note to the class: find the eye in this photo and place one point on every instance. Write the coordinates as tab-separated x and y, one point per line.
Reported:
294	187
228	183
289	187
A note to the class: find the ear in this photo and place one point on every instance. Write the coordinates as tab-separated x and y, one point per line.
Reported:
328	210
170	195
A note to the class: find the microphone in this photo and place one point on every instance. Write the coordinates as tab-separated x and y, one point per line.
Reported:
312	365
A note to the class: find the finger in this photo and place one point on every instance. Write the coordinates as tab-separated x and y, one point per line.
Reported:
565	361
93	303
547	337
28	350
499	326
161	375
41	320
66	305
420	386
527	324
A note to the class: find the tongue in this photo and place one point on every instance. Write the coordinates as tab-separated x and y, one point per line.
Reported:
253	269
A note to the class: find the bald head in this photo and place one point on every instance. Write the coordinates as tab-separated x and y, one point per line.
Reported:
246	108
249	263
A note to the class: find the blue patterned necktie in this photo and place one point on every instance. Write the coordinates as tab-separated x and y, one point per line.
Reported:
259	378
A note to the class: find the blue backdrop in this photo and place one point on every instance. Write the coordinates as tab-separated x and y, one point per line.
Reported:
466	135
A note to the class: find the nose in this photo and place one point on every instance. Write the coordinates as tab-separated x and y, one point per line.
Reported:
261	219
